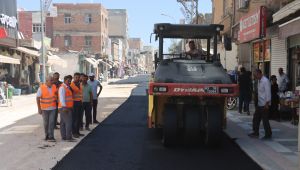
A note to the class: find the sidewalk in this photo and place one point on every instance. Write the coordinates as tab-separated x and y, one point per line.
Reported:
21	132
279	153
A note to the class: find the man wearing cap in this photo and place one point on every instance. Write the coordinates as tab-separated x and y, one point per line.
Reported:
95	84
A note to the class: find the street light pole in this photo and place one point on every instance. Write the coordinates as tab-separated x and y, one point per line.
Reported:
166	15
43	46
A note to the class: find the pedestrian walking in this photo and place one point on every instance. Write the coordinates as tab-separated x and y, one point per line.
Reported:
77	108
87	101
65	106
57	83
283	81
46	102
95	84
245	85
274	113
262	109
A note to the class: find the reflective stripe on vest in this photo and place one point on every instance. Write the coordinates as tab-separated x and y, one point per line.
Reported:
47	100
68	98
77	96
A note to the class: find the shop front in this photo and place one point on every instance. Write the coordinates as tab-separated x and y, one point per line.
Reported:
253	44
262	55
290	32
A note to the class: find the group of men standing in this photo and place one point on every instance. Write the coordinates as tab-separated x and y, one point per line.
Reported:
72	99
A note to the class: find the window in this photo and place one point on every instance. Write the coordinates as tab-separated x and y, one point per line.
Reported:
68	41
88	40
67	18
37	28
105	22
88	18
243	4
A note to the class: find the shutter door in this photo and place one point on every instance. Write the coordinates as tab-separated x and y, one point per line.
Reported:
278	55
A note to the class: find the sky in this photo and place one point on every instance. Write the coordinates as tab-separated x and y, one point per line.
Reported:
142	14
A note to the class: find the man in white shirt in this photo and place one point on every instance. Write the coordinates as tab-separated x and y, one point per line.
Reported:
283	81
95	84
262	109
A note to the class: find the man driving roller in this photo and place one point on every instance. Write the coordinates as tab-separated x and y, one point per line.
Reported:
195	53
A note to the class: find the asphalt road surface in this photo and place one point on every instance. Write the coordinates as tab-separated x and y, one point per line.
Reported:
123	141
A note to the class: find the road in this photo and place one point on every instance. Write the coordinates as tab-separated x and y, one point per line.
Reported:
123	141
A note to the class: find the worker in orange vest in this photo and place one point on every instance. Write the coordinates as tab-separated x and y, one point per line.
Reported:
77	108
46	103
65	106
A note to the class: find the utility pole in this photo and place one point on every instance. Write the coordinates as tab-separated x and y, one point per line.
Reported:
43	45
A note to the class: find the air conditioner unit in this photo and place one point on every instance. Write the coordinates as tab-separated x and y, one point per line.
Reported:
243	4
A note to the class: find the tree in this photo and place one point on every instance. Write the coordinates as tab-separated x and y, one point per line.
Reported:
175	47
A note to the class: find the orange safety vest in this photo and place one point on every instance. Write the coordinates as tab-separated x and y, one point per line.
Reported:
68	97
47	99
77	92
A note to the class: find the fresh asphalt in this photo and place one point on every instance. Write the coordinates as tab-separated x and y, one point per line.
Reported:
123	141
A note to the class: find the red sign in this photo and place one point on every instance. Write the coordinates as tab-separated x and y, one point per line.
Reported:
253	26
3	33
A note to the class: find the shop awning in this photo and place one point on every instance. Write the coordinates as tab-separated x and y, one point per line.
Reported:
28	51
289	28
92	61
54	59
9	60
286	11
107	64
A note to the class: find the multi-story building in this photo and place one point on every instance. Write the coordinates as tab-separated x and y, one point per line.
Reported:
265	33
134	52
19	66
222	14
149	60
8	39
118	29
80	27
135	43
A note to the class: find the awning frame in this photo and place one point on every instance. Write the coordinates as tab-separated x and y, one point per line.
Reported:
9	60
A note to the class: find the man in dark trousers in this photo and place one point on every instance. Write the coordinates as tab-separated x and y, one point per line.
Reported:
57	83
77	108
245	84
87	101
263	104
65	106
95	84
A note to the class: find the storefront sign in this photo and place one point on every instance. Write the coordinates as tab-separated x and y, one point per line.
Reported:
253	26
8	21
3	33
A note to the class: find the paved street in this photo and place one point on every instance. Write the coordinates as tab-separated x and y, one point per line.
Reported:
123	141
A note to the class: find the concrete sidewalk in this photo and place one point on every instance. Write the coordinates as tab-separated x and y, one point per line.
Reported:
21	131
279	153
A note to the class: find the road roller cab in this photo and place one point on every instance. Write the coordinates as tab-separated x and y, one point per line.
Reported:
187	95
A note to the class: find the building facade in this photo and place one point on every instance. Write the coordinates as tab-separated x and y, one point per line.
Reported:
264	33
118	29
80	27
